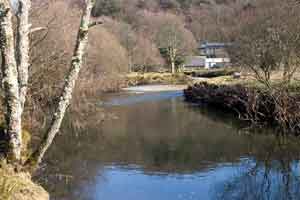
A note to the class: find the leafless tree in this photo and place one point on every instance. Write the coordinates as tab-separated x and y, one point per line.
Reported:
170	41
15	63
267	43
268	40
173	39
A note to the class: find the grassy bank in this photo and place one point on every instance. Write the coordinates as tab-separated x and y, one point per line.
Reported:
152	78
18	186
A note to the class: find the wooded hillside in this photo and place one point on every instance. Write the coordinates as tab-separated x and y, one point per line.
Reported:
140	28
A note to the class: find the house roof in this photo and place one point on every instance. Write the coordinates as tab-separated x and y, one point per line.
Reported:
194	61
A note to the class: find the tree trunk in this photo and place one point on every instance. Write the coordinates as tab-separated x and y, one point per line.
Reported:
22	47
172	54
66	96
10	81
173	66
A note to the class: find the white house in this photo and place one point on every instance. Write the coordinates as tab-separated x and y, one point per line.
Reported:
216	62
211	55
215	54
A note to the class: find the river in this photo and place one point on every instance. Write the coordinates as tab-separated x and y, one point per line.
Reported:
155	146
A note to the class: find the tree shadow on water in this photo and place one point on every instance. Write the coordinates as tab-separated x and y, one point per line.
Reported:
272	175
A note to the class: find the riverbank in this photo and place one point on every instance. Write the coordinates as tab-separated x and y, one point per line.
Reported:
19	186
180	78
249	102
156	78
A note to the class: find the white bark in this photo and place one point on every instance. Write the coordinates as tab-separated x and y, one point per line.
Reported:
173	66
10	81
66	96
172	54
22	48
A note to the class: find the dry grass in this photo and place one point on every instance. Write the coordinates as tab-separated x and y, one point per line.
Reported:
18	186
247	79
134	79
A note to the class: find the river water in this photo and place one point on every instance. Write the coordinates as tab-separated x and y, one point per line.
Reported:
155	146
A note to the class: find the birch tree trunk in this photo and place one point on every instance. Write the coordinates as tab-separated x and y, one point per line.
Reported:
22	48
66	96
10	81
173	66
172	55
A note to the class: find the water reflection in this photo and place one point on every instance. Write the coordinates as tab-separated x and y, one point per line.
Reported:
127	99
272	176
163	148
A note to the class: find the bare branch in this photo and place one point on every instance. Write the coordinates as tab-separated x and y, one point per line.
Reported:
92	24
37	29
46	30
70	81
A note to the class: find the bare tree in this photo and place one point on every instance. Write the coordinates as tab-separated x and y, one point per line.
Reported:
127	38
66	96
269	40
15	63
142	54
174	41
170	40
146	56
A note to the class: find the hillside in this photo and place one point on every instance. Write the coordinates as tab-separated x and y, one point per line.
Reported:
134	36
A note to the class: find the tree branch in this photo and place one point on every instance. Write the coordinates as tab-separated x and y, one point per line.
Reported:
92	24
66	96
37	29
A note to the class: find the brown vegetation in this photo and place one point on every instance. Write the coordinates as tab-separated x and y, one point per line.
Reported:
50	54
19	186
268	41
134	33
265	42
251	104
134	79
211	73
15	45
